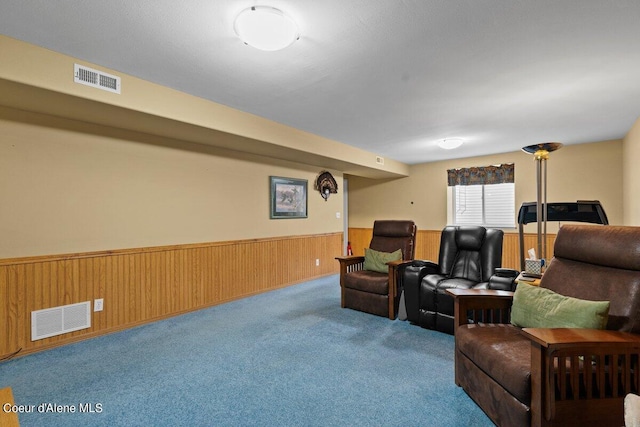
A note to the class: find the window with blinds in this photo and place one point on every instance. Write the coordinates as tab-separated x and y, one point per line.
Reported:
489	205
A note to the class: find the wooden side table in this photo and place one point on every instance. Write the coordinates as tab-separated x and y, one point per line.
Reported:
534	281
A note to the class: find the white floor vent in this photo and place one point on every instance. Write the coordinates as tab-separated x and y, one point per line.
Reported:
60	320
94	78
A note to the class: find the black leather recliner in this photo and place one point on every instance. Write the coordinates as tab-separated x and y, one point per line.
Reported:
470	258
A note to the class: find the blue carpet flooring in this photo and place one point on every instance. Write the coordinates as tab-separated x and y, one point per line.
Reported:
290	357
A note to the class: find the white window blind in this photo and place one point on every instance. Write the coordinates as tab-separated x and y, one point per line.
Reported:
468	205
490	205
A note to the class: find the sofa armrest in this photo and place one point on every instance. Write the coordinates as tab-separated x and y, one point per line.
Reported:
429	267
350	260
412	275
395	276
504	279
399	263
349	264
567	364
481	298
481	305
422	268
396	268
559	338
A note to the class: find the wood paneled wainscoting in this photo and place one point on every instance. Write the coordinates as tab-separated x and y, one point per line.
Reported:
428	245
147	284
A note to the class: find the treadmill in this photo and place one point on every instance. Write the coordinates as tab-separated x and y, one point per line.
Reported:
581	211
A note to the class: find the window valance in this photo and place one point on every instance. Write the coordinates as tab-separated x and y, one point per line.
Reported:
497	174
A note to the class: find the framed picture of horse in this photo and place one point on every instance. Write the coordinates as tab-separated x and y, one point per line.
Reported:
288	197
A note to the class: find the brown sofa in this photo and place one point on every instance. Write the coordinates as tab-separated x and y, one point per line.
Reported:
557	377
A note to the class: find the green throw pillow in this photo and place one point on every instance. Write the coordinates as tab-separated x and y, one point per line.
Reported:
377	261
535	307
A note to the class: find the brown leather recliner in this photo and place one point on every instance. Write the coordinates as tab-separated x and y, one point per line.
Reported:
374	292
557	377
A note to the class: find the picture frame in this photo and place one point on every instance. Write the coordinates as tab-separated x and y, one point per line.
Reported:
288	198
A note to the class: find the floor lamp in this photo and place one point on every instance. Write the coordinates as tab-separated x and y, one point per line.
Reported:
540	155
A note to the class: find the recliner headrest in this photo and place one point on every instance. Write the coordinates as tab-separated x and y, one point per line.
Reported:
393	228
470	238
608	245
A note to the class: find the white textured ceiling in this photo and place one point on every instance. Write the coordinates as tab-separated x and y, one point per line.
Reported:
390	76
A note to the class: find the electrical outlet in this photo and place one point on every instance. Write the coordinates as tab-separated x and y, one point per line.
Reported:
98	304
317	262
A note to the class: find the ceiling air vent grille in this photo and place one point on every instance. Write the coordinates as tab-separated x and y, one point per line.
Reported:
94	78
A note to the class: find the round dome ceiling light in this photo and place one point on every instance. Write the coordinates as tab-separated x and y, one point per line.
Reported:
450	143
266	28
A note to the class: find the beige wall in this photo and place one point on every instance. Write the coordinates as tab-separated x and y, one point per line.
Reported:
146	172
575	172
68	187
631	193
41	80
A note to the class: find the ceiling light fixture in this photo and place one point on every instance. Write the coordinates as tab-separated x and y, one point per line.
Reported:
266	28
450	143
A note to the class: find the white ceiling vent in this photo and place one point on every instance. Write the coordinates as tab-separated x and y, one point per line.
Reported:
60	320
380	160
94	78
